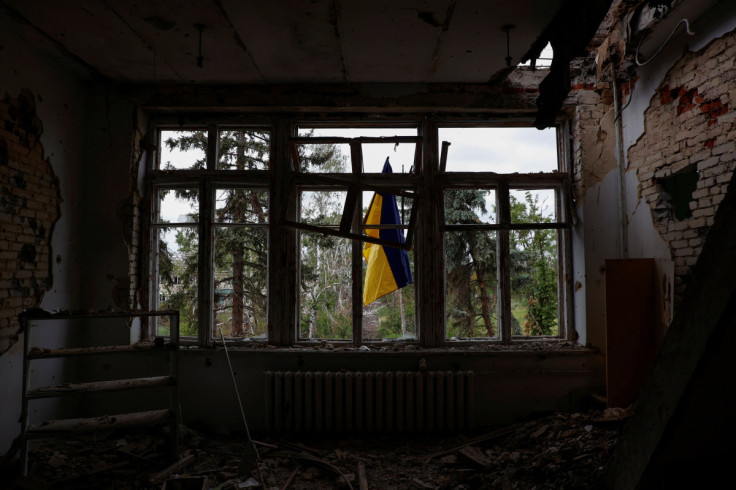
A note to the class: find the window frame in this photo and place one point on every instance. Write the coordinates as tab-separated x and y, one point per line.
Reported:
207	181
284	181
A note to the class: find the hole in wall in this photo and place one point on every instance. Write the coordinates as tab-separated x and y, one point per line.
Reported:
680	187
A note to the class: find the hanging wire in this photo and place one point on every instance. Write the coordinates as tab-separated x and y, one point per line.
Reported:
242	412
631	97
642	63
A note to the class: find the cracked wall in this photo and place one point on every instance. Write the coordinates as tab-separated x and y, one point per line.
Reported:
689	125
29	208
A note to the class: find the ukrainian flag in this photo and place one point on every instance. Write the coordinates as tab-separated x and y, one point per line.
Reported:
388	267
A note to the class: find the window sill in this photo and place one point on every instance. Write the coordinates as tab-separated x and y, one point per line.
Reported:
518	346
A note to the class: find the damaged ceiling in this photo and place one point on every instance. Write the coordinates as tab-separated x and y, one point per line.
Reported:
320	41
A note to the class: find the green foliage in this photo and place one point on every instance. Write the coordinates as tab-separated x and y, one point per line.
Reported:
389	313
240	253
470	258
534	274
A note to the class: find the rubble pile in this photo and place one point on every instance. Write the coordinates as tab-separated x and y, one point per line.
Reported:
557	451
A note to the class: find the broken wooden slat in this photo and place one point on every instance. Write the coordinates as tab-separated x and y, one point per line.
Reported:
324	464
351	236
331	140
349	210
178	466
476	456
491	435
443	156
61	426
291	478
38	353
387	183
362	478
295	156
113	385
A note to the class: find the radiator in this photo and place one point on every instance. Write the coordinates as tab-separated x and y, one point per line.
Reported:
368	401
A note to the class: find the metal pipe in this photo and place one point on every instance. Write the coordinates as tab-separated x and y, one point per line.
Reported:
621	170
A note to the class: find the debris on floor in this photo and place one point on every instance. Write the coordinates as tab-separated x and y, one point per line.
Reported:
558	451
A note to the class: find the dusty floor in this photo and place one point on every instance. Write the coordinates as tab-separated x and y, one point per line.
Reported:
555	451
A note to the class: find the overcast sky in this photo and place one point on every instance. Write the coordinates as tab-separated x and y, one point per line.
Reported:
501	150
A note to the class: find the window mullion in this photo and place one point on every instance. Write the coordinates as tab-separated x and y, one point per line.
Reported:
205	275
357	273
206	248
283	252
429	244
503	262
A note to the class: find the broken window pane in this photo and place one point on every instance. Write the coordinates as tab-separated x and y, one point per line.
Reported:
326	158
177	261
500	150
183	150
244	149
471	292
325	285
240	282
534	282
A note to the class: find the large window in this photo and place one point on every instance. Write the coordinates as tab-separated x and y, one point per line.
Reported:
333	300
210	230
274	232
503	229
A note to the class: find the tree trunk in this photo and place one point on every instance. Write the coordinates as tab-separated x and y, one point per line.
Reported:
313	322
238	250
402	313
483	296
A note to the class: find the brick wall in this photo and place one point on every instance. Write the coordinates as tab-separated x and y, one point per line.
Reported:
689	125
593	134
29	207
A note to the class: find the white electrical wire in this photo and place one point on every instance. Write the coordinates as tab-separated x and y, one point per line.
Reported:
642	63
240	403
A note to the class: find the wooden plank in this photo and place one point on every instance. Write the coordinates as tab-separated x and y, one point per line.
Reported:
40	353
362	478
351	236
112	385
487	437
443	156
329	140
174	468
34	315
349	210
66	426
385	186
517	226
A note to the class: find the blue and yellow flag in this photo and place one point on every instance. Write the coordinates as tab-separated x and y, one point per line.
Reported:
388	267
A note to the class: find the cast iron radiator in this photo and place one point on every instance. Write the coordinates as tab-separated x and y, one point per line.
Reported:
368	401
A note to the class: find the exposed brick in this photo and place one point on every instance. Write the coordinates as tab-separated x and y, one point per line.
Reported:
28	214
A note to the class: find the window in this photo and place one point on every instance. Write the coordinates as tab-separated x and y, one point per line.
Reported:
332	268
503	227
262	237
210	230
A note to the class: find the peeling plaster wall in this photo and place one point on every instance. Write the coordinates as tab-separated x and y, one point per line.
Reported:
678	115
596	205
688	123
32	66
